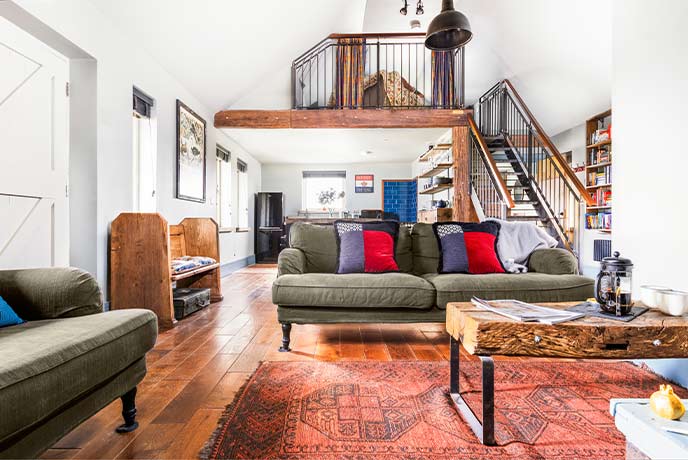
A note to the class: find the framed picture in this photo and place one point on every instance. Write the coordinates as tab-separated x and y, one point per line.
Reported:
191	155
365	183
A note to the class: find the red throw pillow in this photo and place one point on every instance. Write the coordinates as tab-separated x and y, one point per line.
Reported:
482	255
379	252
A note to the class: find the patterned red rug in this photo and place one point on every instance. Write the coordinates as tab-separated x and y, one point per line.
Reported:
400	410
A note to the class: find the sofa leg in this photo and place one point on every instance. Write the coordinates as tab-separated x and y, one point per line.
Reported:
286	331
128	412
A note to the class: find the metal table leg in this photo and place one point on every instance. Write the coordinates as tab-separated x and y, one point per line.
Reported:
485	430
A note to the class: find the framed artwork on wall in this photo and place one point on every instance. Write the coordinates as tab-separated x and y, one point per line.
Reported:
191	155
364	183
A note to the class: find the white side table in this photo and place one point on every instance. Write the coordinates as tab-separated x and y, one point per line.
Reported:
646	436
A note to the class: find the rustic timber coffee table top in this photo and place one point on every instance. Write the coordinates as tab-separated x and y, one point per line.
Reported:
651	335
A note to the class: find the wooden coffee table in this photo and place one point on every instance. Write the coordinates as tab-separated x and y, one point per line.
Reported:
486	334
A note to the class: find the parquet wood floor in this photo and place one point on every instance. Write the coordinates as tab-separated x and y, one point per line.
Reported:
196	368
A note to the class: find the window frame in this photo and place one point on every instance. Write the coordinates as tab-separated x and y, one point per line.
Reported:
242	180
223	163
339	175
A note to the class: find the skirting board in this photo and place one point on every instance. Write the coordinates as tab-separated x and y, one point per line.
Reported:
228	268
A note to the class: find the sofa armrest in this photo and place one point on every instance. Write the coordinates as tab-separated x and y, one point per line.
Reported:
554	261
291	261
47	293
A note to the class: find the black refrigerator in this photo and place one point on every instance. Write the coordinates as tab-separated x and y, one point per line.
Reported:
269	225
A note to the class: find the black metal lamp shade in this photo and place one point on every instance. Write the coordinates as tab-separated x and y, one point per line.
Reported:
448	30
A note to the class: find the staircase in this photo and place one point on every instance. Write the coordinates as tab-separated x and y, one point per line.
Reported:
517	173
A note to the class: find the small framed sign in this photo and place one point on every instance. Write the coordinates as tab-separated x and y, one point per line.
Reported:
365	183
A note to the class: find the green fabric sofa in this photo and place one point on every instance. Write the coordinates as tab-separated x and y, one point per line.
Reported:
307	291
68	360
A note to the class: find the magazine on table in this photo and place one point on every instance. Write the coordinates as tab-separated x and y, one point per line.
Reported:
521	311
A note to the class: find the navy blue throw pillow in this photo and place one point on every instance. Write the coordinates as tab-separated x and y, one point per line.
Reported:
452	245
7	316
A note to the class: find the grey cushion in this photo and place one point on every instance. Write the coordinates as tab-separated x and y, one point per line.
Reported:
319	246
426	252
53	362
365	290
44	293
528	287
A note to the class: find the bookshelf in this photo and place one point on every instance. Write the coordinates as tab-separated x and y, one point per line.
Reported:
598	171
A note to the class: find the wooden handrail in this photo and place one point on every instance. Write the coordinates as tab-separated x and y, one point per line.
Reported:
503	190
556	155
379	35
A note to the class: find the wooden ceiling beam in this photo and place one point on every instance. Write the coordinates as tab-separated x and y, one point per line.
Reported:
342	118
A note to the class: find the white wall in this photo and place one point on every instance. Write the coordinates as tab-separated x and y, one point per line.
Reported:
83	145
574	140
649	101
287	178
122	64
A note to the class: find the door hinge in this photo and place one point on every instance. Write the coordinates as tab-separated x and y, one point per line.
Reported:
67	89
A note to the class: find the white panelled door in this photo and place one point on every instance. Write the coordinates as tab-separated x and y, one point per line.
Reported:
34	152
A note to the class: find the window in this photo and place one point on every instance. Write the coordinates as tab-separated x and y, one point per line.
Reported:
144	153
224	187
323	190
242	195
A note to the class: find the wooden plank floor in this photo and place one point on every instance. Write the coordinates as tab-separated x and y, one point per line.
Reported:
196	368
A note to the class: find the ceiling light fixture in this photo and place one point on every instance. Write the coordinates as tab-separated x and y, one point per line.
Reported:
404	9
448	30
419	8
415	24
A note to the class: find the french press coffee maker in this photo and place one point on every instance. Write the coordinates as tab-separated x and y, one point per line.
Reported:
613	285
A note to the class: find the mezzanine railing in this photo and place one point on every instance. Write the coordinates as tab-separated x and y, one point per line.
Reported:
377	71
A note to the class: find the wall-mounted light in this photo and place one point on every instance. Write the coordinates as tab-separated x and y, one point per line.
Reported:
404	9
419	8
415	24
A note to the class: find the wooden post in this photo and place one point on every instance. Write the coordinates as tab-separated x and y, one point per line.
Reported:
463	206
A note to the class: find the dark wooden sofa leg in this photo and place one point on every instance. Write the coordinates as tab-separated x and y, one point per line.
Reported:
128	412
286	331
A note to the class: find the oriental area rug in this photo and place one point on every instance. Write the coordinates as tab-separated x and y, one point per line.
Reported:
365	410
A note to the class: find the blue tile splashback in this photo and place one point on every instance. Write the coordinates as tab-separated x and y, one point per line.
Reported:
401	198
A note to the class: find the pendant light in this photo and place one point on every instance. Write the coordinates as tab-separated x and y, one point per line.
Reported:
448	30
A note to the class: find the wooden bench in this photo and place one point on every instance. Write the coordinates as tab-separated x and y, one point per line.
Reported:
142	247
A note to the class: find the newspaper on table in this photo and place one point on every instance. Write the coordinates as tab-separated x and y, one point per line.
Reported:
526	312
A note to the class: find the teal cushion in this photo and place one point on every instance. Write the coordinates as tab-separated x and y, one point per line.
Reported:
7	316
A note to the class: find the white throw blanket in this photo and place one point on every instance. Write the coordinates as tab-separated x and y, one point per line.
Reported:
517	240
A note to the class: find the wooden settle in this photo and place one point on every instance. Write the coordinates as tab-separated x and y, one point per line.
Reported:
651	335
142	246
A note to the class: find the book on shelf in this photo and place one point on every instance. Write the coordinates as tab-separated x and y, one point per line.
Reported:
602	176
526	312
600	155
598	220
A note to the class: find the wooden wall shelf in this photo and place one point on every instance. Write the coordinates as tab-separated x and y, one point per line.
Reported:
436	189
437	170
436	150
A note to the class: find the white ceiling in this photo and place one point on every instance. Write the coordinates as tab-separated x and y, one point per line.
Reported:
237	54
336	145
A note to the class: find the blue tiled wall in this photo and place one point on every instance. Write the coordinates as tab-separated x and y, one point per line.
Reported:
402	198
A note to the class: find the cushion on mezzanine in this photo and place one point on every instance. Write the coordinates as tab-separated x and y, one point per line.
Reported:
366	247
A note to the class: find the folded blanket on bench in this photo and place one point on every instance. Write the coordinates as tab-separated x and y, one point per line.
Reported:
187	263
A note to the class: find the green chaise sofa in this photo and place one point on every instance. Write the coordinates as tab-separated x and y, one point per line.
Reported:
68	360
307	291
